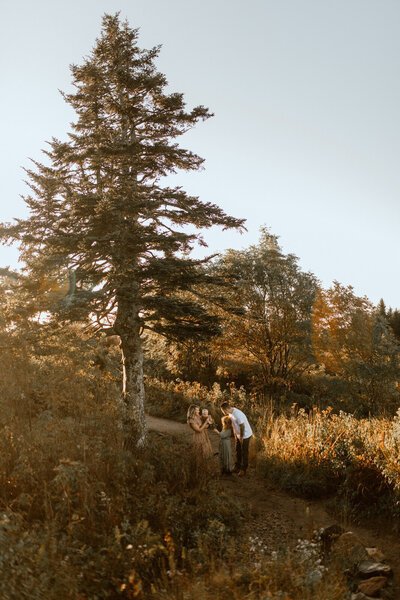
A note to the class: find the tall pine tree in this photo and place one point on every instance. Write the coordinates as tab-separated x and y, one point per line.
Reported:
99	211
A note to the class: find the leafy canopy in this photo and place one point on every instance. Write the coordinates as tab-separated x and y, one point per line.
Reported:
276	298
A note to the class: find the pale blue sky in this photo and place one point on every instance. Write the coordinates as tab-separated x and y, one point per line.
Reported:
306	133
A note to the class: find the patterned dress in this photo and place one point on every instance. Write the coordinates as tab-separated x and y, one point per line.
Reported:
201	443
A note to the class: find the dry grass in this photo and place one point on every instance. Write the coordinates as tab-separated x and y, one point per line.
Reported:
82	519
322	453
315	454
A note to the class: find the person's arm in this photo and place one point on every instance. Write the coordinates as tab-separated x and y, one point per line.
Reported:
241	435
196	428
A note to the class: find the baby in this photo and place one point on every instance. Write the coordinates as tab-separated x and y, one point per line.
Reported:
205	416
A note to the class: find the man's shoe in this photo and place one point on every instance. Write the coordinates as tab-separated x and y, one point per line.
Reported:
242	473
235	470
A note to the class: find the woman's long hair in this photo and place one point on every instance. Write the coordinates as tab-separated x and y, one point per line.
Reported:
191	411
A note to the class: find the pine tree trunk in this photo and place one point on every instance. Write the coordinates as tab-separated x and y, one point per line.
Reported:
134	420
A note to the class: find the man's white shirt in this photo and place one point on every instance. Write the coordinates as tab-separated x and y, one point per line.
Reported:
239	418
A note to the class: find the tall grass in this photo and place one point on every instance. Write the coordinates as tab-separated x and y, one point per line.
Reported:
321	453
171	399
315	454
83	519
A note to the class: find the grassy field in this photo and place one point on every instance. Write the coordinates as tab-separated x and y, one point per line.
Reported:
83	519
352	462
322	454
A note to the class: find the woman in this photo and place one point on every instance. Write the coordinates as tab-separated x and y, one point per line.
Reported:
201	443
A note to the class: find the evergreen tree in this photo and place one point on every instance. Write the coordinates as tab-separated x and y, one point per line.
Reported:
381	308
99	212
394	322
392	317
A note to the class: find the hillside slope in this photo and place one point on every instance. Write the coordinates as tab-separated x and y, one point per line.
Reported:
279	519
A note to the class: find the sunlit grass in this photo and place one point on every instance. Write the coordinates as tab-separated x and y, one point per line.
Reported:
81	518
323	453
315	454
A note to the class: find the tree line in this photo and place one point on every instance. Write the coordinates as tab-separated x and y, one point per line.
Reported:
284	335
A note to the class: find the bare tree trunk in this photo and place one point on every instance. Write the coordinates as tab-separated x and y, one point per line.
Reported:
134	420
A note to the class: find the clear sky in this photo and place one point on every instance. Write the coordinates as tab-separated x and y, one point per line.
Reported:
306	133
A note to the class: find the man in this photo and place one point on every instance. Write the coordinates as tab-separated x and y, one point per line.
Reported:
243	433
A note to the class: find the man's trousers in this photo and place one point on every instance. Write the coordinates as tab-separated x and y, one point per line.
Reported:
242	454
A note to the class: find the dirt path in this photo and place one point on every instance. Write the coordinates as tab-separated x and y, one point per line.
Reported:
280	519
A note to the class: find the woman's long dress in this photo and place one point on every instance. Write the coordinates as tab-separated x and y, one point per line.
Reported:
201	443
225	450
